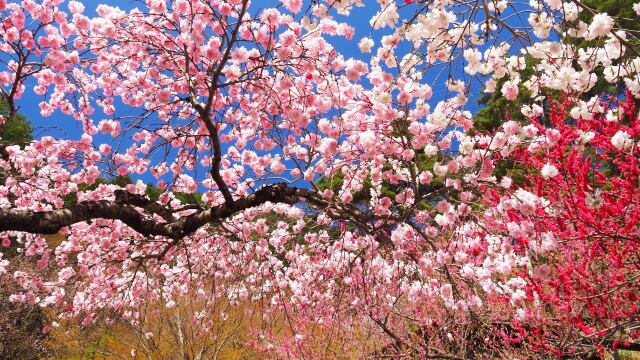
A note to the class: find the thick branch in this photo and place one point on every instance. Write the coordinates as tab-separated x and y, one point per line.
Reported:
204	111
215	164
125	197
50	222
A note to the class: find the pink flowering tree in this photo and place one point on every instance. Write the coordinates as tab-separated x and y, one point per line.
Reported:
253	108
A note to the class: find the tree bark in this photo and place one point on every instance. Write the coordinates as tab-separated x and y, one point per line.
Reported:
50	222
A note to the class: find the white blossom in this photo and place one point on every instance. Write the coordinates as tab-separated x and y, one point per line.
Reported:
549	171
621	140
600	26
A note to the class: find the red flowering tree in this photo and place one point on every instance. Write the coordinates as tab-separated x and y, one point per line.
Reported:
582	243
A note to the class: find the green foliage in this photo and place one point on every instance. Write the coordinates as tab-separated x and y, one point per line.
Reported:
335	183
193	198
517	173
153	192
497	109
16	130
72	199
121	181
621	10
